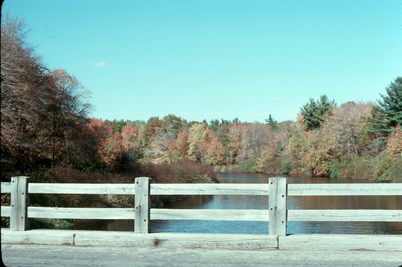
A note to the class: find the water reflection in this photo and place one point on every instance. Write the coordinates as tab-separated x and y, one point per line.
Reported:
261	202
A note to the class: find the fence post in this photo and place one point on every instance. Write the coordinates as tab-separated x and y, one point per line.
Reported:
142	223
19	203
277	206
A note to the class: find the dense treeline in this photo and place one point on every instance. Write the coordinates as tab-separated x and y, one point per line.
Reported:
45	131
352	139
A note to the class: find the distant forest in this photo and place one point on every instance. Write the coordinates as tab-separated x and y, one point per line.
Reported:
46	133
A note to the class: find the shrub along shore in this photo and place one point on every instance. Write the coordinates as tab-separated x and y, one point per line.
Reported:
387	169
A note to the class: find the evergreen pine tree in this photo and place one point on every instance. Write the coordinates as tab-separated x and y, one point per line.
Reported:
388	113
313	112
273	123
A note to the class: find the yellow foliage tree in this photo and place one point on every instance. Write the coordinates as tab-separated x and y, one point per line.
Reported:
394	144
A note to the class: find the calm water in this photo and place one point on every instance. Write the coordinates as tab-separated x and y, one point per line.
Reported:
261	202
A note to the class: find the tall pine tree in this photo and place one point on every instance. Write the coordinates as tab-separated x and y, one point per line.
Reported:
313	112
388	113
273	123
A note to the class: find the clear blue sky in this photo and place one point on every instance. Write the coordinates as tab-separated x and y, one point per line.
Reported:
210	59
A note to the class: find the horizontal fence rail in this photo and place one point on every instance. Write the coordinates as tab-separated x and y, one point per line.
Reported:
210	214
5	187
373	189
156	189
277	214
156	214
69	188
210	189
108	189
365	215
394	189
76	213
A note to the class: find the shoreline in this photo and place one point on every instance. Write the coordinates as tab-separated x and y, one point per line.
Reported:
294	173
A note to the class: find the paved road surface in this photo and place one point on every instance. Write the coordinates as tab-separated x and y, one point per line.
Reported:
46	255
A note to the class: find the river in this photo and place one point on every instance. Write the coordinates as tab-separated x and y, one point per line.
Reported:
261	202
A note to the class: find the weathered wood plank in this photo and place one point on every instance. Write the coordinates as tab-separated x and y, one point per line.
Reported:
5	211
156	214
81	213
213	189
142	223
46	237
346	215
5	187
341	242
176	240
156	189
277	206
19	203
209	214
372	189
209	189
130	239
81	188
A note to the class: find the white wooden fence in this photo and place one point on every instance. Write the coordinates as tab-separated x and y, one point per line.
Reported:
277	215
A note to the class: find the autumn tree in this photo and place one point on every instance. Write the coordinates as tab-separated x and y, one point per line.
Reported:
270	151
348	125
65	117
158	148
394	144
154	125
179	148
197	142
234	143
23	84
110	146
296	146
96	132
322	149
215	154
161	136
131	143
254	141
42	111
171	125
